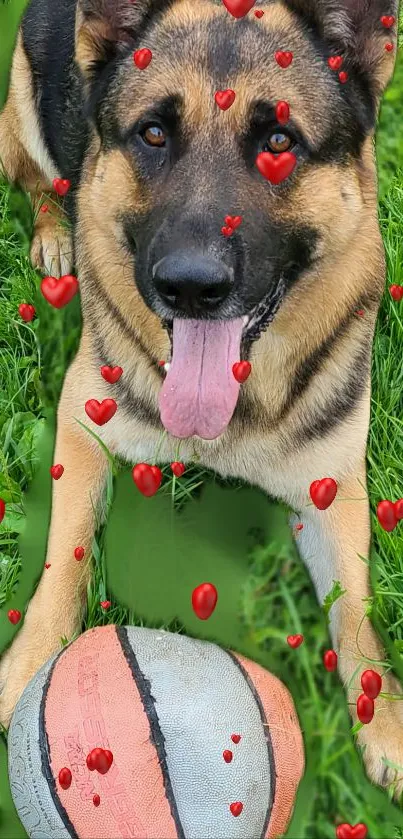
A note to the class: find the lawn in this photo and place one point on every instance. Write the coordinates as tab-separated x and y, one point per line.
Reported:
276	597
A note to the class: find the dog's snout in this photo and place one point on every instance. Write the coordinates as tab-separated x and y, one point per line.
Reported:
192	283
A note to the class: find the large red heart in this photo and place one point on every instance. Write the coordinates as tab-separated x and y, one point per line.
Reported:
233	221
330	660
241	371
147	478
14	616
349	831
283	58
387	21
323	492
371	683
61	186
26	311
239	8
111	374
101	412
396	292
365	709
100	760
57	471
142	58
59	292
225	98
386	513
276	167
335	62
236	808
295	641
204	600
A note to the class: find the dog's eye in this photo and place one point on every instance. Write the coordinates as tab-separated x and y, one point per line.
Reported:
278	142
153	135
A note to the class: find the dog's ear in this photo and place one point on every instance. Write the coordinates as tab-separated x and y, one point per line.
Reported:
360	30
105	27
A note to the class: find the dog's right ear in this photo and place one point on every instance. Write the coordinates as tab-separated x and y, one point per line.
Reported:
104	28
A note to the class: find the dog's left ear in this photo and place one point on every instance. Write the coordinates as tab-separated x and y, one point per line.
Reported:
360	30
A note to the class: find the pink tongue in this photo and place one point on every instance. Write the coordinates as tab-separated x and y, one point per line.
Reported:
200	392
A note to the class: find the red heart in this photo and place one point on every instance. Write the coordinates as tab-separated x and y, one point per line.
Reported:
27	312
14	616
178	469
227	755
299	527
204	600
239	8
259	13
282	112
343	76
386	514
59	292
365	708
111	374
330	660
398	509
100	760
44	208
79	553
295	641
241	370
65	778
276	167
227	231
371	683
142	58
323	492
225	98
61	186
335	62
235	738
233	221
105	604
389	47
101	412
348	831
57	471
387	21
2	510
396	292
283	59
147	478
47	565
96	800
236	808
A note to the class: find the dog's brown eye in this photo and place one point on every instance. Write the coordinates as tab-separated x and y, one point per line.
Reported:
278	142
154	136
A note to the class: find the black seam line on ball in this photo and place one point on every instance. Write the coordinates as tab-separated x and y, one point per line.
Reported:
45	754
270	752
156	736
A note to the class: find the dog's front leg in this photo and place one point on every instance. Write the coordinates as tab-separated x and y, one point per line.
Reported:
335	544
56	609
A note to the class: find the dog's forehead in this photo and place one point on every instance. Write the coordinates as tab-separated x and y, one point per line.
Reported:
199	48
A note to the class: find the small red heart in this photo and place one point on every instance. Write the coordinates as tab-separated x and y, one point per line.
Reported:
389	47
204	600
283	59
59	292
44	208
348	831
14	616
365	708
2	510
100	412
100	760
233	221
27	312
276	167
105	604
241	370
142	58
330	660
57	471
295	641
299	527
227	231
111	374
371	683
79	553
227	755
147	478
96	800
178	469
47	565
360	312
225	98
239	8
235	738
282	112
386	514
259	13
61	186
398	509
236	808
388	21
343	76
335	62
323	492
65	778
396	292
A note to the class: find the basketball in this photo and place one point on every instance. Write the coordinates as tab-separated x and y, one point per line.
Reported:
134	732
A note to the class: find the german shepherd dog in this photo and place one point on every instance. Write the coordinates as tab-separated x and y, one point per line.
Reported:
155	166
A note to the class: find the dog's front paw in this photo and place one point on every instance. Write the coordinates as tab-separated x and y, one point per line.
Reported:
19	665
52	247
381	742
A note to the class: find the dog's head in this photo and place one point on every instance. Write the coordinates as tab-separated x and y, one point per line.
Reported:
170	164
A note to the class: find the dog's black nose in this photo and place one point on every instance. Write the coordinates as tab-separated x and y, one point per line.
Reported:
191	282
